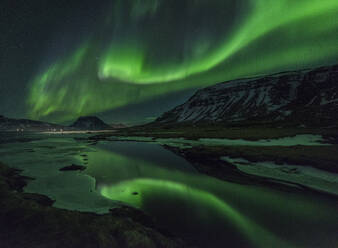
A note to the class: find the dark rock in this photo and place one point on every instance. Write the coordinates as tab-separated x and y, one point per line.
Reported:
41	199
135	214
29	150
73	167
28	220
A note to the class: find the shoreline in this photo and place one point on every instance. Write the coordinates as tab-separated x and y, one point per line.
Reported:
204	159
30	220
250	133
318	152
78	132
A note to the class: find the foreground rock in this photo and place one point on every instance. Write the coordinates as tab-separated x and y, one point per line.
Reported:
29	220
299	98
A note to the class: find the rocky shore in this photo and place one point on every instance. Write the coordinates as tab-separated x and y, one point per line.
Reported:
29	220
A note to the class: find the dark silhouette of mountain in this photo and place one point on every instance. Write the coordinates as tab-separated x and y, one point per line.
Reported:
8	124
306	97
82	123
90	123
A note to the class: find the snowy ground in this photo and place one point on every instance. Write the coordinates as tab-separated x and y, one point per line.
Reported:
304	175
42	159
305	140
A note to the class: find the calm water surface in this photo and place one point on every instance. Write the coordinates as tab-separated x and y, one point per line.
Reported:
149	177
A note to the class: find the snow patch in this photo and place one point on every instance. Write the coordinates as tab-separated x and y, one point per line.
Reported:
305	140
304	175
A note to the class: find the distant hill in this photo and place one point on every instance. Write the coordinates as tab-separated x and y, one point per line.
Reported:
8	124
82	123
118	125
306	97
90	123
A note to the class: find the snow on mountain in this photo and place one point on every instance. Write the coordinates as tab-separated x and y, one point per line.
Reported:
299	97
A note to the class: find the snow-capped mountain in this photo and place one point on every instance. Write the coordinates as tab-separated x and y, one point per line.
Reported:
308	97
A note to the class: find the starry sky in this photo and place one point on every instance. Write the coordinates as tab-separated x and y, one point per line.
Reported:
130	60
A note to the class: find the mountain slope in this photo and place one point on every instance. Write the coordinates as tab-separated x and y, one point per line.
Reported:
8	124
307	97
90	123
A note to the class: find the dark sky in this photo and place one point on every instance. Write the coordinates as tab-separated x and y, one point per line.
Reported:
39	30
29	30
130	60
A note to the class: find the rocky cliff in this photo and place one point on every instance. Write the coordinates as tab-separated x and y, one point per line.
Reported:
307	97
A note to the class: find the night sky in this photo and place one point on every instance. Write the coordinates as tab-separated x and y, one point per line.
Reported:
129	60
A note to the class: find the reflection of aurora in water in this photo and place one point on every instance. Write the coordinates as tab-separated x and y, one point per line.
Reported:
171	191
152	47
146	176
205	207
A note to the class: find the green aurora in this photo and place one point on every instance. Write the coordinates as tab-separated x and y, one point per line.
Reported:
147	48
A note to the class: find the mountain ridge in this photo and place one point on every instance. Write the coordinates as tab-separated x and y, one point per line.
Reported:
304	97
90	123
82	123
11	124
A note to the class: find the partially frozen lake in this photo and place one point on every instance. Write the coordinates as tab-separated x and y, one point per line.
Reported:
304	140
147	176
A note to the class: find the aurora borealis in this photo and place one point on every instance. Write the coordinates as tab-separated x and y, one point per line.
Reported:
140	49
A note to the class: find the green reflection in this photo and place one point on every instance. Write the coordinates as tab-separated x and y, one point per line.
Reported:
204	206
192	203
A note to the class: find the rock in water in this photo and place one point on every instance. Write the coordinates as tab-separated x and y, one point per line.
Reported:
73	167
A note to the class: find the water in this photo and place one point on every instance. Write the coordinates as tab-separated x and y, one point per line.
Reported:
149	177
